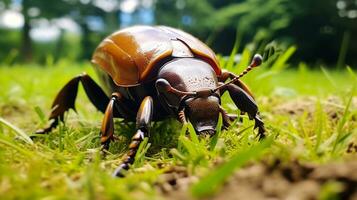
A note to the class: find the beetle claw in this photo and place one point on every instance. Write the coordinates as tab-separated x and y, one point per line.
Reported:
260	125
40	131
104	149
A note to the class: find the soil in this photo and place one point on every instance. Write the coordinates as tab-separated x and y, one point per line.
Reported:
273	181
333	106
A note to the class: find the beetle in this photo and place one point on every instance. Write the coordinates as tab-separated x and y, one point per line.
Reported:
150	73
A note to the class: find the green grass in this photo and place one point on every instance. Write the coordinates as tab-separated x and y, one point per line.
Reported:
66	164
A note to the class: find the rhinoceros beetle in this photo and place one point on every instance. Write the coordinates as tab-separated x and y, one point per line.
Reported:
152	73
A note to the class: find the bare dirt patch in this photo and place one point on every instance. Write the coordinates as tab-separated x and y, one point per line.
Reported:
274	181
333	106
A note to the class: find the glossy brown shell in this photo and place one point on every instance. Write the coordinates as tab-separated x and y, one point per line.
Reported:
130	54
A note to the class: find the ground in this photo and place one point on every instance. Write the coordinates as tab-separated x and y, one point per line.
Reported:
310	151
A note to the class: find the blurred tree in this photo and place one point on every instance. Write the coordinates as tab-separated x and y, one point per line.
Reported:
211	19
81	11
324	30
34	9
96	19
317	27
26	47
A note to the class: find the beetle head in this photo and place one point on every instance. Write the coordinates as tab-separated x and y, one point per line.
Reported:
202	107
203	113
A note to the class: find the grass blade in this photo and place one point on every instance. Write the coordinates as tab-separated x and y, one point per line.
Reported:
15	147
214	139
40	114
343	49
18	131
280	63
193	134
143	148
230	62
343	121
329	77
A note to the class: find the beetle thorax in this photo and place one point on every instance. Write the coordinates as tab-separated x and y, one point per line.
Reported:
189	74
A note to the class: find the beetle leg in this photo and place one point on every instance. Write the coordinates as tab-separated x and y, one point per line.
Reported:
116	103
225	118
181	116
247	104
143	119
66	97
107	129
229	75
230	117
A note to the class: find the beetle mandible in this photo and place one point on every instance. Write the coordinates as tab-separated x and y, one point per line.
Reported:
151	73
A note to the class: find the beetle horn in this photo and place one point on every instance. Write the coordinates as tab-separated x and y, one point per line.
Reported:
256	61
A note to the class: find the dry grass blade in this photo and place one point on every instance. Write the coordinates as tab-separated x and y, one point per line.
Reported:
23	136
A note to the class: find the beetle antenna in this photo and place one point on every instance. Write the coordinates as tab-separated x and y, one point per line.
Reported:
256	61
164	85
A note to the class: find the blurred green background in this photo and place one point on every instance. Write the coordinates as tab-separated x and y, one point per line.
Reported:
43	31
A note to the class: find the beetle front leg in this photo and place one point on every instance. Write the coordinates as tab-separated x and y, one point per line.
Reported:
229	75
107	130
247	104
66	98
143	120
117	104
